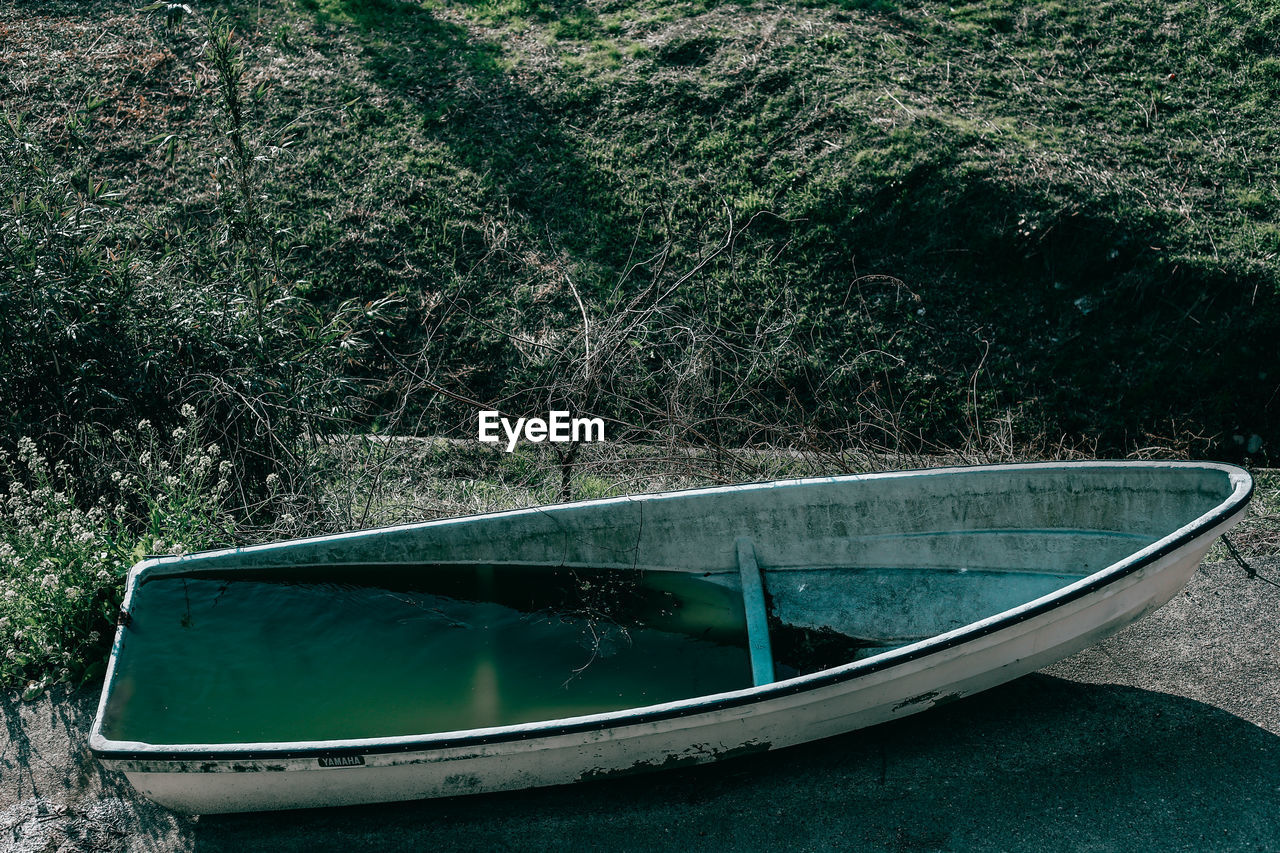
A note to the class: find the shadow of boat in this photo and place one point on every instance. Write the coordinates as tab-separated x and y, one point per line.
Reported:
1040	763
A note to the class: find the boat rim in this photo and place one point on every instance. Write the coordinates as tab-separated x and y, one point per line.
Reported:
1226	511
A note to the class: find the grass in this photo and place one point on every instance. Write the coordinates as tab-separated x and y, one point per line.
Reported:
1067	189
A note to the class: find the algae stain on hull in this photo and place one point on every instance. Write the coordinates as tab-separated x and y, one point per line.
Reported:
693	756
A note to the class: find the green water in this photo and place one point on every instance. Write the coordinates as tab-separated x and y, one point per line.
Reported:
363	652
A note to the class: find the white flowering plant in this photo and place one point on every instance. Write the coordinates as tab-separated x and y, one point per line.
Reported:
60	571
62	563
174	493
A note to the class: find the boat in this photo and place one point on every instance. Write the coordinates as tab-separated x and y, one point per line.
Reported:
601	638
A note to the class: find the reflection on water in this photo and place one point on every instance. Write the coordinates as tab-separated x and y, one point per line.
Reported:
368	652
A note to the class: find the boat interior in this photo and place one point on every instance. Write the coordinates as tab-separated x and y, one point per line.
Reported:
583	608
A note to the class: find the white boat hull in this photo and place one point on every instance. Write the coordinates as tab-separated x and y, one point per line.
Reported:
889	686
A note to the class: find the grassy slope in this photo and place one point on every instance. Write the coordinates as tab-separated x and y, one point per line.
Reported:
1077	201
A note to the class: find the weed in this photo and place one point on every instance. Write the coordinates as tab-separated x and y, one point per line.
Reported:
62	565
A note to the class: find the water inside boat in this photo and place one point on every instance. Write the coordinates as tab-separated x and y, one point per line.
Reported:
370	652
329	653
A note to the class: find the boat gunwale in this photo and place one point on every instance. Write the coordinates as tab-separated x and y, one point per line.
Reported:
1224	513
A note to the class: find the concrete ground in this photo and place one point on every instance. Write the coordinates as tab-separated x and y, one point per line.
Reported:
1166	737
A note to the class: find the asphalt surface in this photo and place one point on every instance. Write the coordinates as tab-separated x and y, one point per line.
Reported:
1165	737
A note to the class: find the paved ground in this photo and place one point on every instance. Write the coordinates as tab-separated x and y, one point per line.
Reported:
1166	737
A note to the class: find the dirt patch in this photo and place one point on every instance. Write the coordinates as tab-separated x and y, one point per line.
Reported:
56	797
